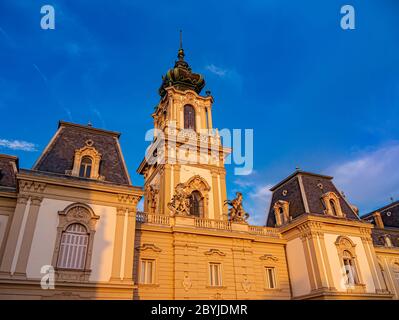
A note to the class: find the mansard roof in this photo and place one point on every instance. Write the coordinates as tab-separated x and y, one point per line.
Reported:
304	190
389	215
8	170
58	156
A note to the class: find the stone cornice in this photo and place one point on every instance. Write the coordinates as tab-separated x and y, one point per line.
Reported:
80	184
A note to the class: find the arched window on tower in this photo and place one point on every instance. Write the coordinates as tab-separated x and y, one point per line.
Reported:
196	204
189	117
85	167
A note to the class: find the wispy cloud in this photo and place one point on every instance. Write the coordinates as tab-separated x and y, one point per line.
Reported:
370	178
99	116
69	113
40	73
18	145
216	70
257	197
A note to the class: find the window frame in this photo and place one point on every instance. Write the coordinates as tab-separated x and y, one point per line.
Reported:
143	271
88	167
73	248
267	277
212	278
189	117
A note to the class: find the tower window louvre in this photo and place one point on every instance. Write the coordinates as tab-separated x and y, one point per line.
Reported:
189	117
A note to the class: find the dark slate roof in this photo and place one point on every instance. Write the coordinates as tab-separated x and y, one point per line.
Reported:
389	215
8	165
312	193
379	235
59	154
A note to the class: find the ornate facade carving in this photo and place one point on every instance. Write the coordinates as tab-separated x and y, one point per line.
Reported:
149	246
211	252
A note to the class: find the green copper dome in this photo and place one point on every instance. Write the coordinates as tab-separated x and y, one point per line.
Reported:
181	77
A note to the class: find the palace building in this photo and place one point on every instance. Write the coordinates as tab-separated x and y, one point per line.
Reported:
73	218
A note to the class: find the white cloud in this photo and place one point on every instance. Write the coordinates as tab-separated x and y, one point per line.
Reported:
371	178
216	70
257	197
258	204
17	145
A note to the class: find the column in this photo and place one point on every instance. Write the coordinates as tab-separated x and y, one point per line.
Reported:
308	260
224	195
27	239
215	192
130	237
317	261
209	119
326	262
167	188
118	244
11	244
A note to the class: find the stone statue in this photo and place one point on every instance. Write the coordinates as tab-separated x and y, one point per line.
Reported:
237	212
153	192
180	203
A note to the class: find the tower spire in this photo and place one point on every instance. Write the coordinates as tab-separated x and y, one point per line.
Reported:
181	39
180	53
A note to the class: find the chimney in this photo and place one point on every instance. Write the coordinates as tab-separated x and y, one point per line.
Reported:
378	220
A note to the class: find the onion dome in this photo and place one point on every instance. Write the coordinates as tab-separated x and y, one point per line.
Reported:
181	77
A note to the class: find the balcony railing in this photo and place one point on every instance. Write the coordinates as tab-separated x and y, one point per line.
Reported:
187	221
142	217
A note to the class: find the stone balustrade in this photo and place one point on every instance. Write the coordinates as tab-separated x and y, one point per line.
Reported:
188	221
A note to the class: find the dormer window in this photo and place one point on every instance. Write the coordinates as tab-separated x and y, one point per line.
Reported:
332	204
86	162
85	167
281	211
189	117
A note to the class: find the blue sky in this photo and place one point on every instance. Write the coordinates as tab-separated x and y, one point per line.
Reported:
317	97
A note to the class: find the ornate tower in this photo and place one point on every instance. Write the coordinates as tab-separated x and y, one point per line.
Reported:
186	156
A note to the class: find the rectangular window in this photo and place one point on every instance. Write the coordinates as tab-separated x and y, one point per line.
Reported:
147	269
270	278
215	274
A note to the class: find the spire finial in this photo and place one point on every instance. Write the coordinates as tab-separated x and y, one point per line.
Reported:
181	39
180	53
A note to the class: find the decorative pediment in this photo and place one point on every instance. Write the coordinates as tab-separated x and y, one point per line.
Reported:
148	246
214	252
197	183
78	213
268	257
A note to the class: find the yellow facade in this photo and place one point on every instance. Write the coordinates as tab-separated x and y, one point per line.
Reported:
185	244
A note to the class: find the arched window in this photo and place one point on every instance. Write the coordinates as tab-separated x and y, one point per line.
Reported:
350	268
73	247
189	117
333	208
281	212
196	204
85	167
